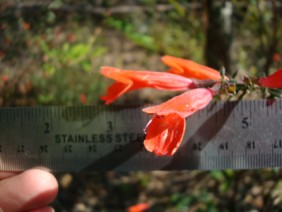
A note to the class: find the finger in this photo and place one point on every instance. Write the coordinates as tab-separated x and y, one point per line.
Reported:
29	190
4	175
45	209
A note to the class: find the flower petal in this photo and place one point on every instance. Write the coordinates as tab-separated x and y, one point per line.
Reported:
132	80
272	81
139	207
184	104
165	134
115	91
190	69
115	74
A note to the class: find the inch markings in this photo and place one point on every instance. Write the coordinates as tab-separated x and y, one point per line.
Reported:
225	135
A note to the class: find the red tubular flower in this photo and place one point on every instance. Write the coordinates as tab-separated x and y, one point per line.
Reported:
165	134
133	80
276	57
166	130
83	98
272	81
190	69
139	207
184	104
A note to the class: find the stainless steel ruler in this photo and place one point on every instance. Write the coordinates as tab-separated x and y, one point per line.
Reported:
225	135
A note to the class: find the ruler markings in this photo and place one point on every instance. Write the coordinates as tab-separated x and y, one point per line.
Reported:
268	110
6	117
273	159
256	107
223	128
240	108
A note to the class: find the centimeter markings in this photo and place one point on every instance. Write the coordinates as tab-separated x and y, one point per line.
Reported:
225	135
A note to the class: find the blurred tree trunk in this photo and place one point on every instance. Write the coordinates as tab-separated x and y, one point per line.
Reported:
218	26
273	39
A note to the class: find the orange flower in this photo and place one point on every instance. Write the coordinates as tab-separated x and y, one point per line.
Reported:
184	104
165	134
272	81
5	78
166	130
276	57
26	25
83	98
190	69
139	207
133	80
2	54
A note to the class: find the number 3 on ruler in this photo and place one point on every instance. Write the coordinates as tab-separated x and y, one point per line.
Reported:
109	126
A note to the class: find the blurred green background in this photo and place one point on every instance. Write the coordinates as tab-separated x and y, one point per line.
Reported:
51	52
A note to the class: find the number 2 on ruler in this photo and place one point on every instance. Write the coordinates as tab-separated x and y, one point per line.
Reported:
47	128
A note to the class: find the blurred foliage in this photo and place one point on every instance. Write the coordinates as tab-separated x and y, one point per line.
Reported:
129	30
69	66
258	33
51	52
61	44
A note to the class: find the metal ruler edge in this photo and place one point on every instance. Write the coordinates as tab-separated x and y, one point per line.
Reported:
225	135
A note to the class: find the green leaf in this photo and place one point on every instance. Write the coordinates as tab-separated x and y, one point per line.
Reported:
217	175
275	93
99	51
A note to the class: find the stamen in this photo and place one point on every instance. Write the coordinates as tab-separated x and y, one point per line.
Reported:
145	130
